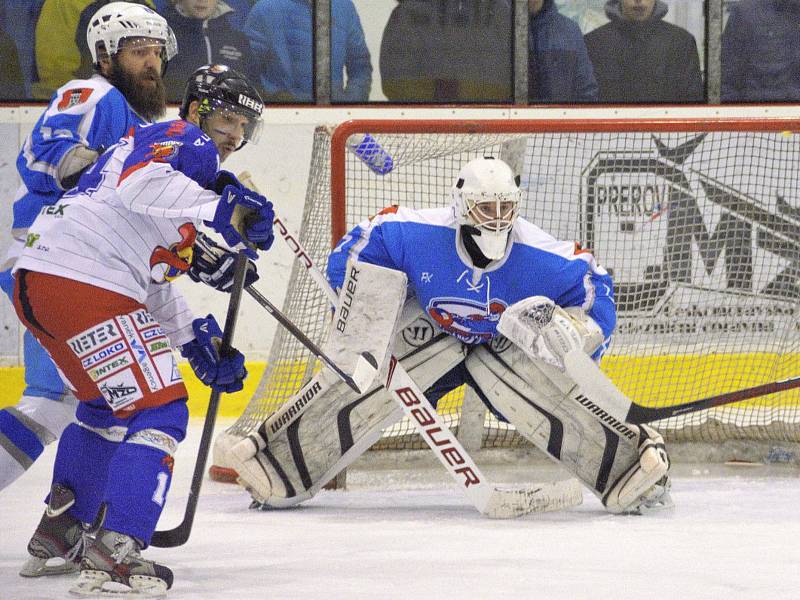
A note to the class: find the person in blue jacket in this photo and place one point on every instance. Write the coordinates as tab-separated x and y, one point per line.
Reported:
761	52
559	69
281	37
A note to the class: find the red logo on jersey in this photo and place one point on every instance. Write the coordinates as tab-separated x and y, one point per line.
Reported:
163	151
74	97
389	210
580	250
166	264
176	128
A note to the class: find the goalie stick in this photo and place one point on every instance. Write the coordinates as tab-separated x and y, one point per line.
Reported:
178	536
490	500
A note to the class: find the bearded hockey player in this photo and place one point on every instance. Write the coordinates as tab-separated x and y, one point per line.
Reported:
130	46
93	286
467	269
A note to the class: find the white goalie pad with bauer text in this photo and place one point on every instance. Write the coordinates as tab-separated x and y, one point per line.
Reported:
326	425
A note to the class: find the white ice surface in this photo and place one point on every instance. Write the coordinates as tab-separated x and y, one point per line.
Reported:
735	533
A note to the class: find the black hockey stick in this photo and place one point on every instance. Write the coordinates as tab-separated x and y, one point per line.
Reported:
601	397
177	536
644	414
366	367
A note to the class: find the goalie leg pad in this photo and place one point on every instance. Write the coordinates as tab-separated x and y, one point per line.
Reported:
539	401
335	430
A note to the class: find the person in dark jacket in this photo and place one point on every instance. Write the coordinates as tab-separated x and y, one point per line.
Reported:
12	83
639	57
206	34
559	69
761	52
448	51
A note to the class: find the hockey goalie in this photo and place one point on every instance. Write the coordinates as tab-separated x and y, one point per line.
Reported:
507	303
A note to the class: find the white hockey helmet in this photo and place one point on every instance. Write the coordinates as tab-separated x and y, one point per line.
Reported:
486	196
119	20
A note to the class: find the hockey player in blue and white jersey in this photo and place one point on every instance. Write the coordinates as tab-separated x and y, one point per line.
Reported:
130	46
93	285
470	268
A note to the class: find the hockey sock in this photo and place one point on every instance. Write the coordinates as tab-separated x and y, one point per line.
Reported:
82	465
140	471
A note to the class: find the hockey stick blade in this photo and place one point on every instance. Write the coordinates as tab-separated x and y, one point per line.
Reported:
506	502
365	372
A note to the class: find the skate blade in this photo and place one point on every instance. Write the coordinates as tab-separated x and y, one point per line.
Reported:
98	584
39	567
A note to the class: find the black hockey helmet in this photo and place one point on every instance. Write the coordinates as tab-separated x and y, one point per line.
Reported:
220	88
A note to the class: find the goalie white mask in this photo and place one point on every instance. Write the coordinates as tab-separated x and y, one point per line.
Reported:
119	20
486	196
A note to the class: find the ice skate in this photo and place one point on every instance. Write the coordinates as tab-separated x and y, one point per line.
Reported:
57	543
112	565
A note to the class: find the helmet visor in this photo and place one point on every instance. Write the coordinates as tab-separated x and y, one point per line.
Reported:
226	119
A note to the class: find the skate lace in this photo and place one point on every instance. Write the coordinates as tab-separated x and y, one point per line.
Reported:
76	550
124	546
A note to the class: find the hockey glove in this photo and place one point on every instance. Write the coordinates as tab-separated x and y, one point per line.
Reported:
244	219
225	178
221	373
213	265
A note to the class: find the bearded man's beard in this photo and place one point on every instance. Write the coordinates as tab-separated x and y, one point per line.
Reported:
145	92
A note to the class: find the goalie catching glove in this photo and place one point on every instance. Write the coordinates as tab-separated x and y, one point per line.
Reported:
546	332
213	265
243	217
221	373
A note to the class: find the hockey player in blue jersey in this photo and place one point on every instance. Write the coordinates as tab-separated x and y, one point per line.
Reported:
470	268
130	46
93	286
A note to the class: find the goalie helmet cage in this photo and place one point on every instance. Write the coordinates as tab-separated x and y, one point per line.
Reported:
698	220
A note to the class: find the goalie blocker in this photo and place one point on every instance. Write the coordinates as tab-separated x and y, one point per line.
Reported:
281	466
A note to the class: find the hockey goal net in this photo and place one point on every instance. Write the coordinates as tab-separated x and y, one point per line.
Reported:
697	220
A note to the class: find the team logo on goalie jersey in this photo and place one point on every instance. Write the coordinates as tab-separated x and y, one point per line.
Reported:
470	321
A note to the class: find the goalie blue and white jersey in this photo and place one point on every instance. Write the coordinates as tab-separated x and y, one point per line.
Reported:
466	301
130	224
91	112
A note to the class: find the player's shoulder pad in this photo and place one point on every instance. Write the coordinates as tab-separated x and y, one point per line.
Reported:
443	217
531	235
79	96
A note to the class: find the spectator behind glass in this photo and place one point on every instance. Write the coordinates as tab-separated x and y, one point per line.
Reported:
639	57
18	19
559	69
206	35
281	37
12	83
241	8
61	50
761	52
448	51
